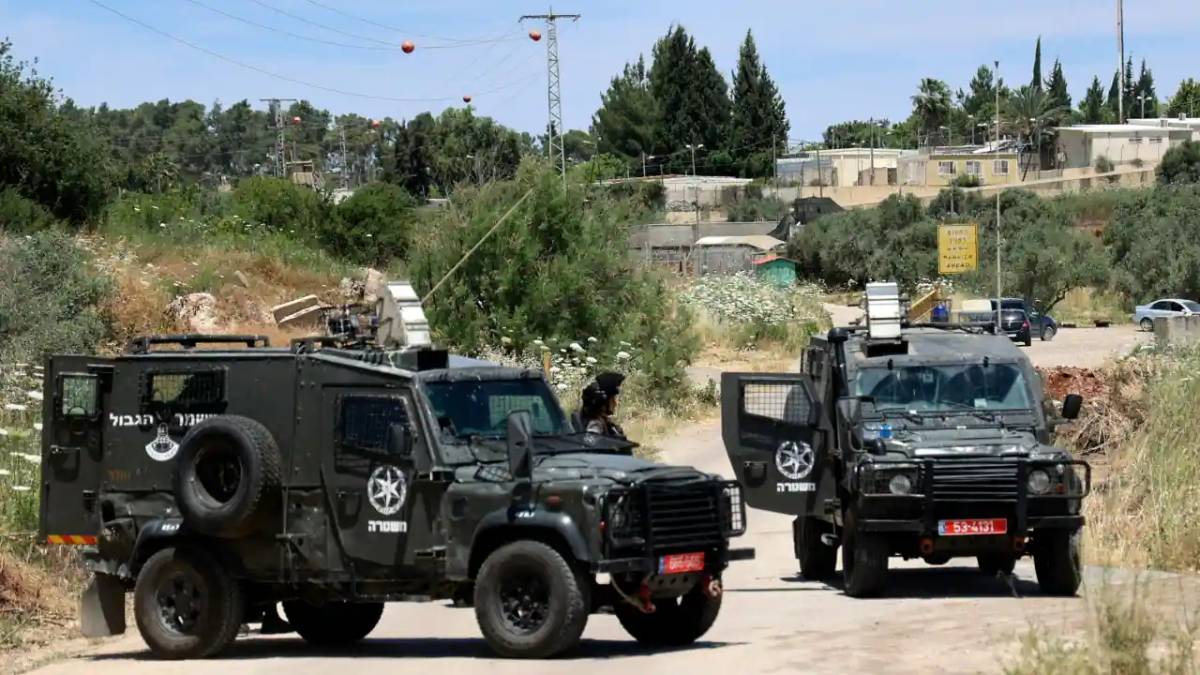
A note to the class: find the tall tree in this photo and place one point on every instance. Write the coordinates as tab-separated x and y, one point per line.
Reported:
931	106
1091	108
982	96
1056	86
625	124
1037	66
693	101
410	166
1033	114
1145	96
1186	100
759	122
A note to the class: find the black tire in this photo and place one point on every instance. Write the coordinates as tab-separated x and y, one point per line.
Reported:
818	562
1056	561
992	564
334	624
864	561
227	465
186	604
675	622
1048	333
937	559
1147	325
529	602
1028	340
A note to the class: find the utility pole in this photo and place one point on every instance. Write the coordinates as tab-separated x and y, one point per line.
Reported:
275	105
556	149
998	295
693	148
872	123
345	161
1121	61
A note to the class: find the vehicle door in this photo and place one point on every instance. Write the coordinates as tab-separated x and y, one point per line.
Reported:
1160	308
371	473
75	398
770	426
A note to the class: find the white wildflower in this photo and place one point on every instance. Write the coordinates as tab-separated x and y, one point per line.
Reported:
18	407
162	224
591	360
35	395
32	459
622	356
592	340
3	431
505	340
576	347
21	488
37	426
5	472
539	342
545	348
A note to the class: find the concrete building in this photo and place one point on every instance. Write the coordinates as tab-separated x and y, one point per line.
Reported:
1192	124
939	166
1082	145
840	167
727	255
670	246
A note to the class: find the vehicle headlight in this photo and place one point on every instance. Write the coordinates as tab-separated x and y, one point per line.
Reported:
1038	482
900	484
618	515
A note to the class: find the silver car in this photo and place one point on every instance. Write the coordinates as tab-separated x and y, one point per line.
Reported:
1144	315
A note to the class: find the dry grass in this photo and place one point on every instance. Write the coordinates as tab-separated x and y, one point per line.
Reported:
1083	306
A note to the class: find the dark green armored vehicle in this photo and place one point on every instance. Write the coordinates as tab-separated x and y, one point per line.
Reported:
919	442
333	477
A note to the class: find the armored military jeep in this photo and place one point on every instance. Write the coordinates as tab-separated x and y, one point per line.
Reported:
922	442
215	480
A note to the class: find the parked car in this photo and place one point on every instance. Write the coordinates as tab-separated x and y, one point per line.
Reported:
1018	319
1144	315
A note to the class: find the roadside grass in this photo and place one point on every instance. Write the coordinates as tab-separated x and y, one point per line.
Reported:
1147	512
742	313
1084	306
1136	628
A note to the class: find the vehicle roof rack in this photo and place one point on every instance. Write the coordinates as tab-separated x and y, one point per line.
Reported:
142	343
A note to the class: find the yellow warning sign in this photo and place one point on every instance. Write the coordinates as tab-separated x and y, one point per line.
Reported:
958	248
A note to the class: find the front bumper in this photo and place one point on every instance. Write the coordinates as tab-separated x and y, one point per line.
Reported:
964	489
716	561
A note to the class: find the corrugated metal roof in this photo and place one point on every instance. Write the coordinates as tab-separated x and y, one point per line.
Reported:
680	236
760	241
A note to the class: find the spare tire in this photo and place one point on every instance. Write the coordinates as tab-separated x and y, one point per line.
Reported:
227	465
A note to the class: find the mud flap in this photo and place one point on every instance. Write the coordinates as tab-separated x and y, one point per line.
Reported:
768	424
102	607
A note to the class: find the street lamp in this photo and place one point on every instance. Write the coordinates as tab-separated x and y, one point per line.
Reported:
644	158
1142	98
981	125
972	123
694	148
1034	128
946	131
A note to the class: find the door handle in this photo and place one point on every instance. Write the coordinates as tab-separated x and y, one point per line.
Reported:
62	450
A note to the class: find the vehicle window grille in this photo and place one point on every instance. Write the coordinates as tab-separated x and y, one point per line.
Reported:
185	391
780	401
365	421
684	517
975	482
78	395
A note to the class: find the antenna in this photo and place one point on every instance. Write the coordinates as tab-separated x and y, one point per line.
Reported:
555	149
276	108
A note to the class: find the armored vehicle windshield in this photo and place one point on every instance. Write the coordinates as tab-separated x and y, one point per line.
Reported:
480	408
943	389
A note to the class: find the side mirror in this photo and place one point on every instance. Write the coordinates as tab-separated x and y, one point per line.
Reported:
1071	406
520	446
399	442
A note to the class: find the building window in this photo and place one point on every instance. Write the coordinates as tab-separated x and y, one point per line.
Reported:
1000	167
945	168
974	168
1156	139
1136	140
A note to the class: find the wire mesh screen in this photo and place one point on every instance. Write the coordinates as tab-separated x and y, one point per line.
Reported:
183	391
782	401
366	420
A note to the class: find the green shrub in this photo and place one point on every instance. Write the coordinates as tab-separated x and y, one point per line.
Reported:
1181	164
281	205
50	297
21	214
557	269
372	226
754	209
1149	243
1104	164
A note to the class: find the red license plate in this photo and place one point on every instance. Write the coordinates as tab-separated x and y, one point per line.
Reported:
972	526
680	563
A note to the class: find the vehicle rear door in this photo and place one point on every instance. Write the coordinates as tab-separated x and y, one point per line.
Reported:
369	477
75	397
769	423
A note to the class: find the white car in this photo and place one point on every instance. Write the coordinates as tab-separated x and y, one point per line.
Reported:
1144	315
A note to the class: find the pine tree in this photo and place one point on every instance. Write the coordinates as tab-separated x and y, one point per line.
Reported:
1037	65
1092	106
759	122
626	121
1186	100
1056	86
692	97
1110	101
982	98
1145	87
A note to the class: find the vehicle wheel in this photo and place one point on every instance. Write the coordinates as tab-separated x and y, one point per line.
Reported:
1048	333
1147	325
227	465
818	562
529	602
937	559
675	622
864	561
186	604
334	624
1028	341
1056	561
992	564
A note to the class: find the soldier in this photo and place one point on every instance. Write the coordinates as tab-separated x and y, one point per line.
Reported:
599	401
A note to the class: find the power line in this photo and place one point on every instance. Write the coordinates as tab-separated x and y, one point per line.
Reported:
280	76
288	33
366	38
385	26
